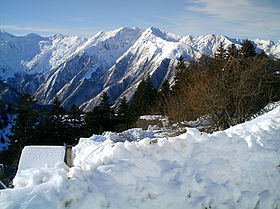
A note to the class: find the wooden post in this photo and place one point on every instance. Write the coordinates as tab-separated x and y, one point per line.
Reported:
68	156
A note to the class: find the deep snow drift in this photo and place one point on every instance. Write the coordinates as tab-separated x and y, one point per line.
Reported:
236	168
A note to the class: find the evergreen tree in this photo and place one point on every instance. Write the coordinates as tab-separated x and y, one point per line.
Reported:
221	52
164	89
54	126
232	51
149	93
76	123
163	95
24	129
57	110
107	113
180	73
143	98
25	123
137	101
124	119
101	118
2	140
248	49
220	60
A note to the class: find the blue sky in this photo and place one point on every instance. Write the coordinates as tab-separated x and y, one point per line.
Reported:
234	18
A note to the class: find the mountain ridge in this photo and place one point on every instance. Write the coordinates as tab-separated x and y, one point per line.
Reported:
78	70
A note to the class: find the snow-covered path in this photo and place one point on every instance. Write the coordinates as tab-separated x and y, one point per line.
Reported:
236	168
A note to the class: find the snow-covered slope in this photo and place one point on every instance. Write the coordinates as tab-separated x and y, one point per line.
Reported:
15	51
270	47
155	53
235	168
53	52
84	71
78	70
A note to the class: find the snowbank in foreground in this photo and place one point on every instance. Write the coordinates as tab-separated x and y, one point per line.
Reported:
236	168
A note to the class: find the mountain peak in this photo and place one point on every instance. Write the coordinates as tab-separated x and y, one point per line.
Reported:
6	33
125	30
155	32
5	36
33	35
57	36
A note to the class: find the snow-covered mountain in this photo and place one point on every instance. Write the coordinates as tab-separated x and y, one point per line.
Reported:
78	70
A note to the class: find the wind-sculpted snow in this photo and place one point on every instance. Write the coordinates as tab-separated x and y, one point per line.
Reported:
235	168
114	61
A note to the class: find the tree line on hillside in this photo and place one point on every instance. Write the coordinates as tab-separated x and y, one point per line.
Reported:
228	88
54	126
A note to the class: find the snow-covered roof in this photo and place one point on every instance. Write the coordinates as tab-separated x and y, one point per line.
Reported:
40	157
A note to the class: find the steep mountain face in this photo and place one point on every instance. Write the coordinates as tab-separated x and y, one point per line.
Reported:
16	51
78	70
